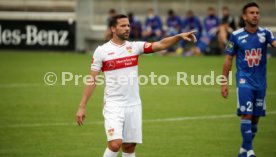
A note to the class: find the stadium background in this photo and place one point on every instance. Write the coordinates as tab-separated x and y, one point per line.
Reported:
38	120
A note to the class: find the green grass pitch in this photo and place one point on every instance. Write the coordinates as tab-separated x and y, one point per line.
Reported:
37	120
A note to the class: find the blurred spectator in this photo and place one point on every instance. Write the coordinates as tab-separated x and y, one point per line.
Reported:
153	27
210	22
108	34
210	28
192	22
226	27
227	18
241	22
173	23
135	27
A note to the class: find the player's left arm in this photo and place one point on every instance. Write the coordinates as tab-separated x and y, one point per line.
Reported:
170	41
225	72
231	51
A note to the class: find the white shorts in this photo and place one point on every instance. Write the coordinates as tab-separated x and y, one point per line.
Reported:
123	122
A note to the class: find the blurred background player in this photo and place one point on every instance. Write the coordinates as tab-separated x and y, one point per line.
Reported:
108	35
241	22
227	26
249	45
210	22
173	26
210	29
153	28
135	27
190	22
173	23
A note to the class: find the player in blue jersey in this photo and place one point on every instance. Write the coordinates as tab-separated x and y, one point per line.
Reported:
174	23
153	30
192	22
210	30
249	45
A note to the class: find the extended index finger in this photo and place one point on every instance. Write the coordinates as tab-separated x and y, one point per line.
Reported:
192	32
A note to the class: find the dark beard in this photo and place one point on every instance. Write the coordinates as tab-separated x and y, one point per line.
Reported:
122	37
253	25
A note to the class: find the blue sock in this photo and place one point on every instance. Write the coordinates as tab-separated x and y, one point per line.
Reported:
254	130
246	132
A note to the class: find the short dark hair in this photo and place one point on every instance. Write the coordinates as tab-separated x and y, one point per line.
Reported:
114	20
170	12
112	11
251	4
130	15
225	8
211	8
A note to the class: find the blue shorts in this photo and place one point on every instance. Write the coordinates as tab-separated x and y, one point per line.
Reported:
251	102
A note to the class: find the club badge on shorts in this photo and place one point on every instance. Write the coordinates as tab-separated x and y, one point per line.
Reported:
111	131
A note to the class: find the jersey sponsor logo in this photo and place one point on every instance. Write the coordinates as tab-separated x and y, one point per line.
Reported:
242	37
120	63
253	57
110	65
230	46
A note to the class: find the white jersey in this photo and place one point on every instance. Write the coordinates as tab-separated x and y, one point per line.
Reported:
119	64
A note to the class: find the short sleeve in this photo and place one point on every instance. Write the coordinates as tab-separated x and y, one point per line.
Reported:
143	47
97	61
269	36
231	47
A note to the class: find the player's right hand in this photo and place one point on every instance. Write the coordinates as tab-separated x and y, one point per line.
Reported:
224	91
189	36
80	116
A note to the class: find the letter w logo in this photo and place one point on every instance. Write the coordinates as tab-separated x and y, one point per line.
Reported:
253	57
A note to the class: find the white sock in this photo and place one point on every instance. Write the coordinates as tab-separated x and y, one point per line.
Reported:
128	154
250	152
109	153
242	150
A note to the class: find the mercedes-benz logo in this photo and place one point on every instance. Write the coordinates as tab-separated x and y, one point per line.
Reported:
111	65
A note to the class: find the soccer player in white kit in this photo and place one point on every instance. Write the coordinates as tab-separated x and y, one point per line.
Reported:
118	60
